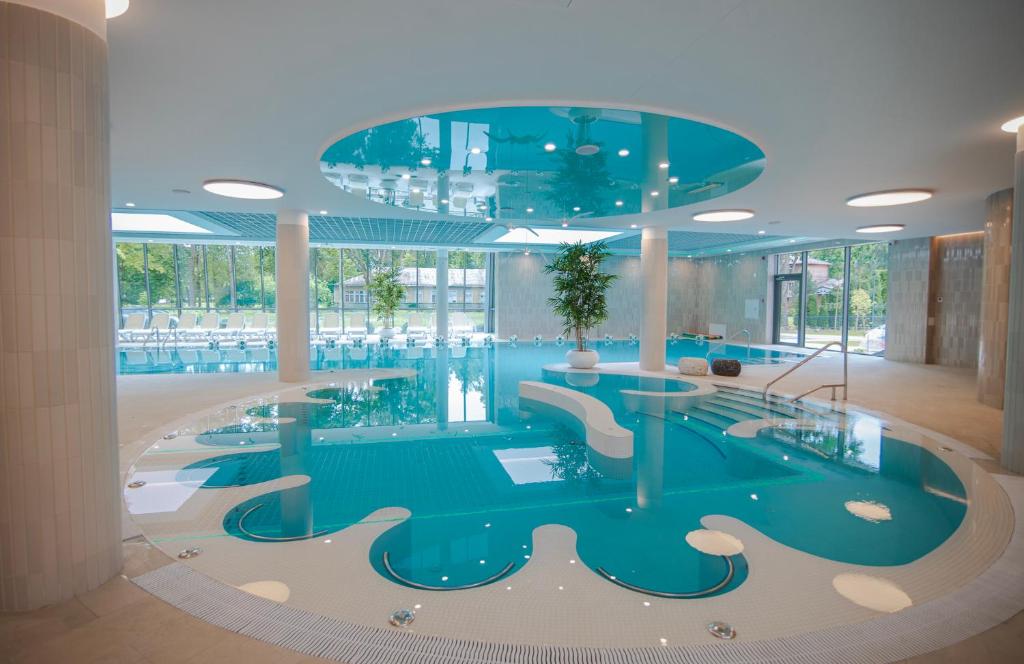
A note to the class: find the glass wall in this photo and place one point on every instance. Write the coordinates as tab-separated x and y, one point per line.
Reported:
175	278
832	295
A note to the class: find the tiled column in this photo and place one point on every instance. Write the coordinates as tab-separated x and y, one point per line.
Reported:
995	298
441	294
654	297
1013	399
292	264
60	518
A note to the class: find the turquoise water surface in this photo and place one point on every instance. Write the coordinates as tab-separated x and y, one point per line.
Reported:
479	470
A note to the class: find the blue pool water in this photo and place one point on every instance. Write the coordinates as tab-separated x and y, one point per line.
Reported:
248	360
479	470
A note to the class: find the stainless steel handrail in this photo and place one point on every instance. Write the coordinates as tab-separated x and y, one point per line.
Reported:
264	538
719	344
729	573
420	586
844	384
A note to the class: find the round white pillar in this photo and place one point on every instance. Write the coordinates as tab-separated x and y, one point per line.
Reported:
654	293
441	294
292	264
60	513
1013	397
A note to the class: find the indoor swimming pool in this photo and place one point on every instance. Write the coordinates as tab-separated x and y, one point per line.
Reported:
439	476
325	357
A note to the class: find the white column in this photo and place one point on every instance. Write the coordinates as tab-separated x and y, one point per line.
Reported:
441	294
1013	400
60	508
292	265
654	289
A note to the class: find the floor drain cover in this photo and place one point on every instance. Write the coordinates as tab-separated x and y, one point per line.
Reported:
189	553
137	484
722	630
402	617
171	435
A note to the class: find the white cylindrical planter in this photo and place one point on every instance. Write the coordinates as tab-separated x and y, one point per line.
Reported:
1013	397
441	294
292	265
582	359
654	293
60	510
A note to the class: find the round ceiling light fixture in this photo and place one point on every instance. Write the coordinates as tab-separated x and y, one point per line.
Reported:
715	216
117	7
243	189
881	228
623	152
1012	126
549	147
886	198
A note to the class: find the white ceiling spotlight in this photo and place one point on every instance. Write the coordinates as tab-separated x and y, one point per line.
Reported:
116	7
474	150
323	212
663	165
881	228
426	161
1012	126
715	216
243	189
623	152
886	198
549	147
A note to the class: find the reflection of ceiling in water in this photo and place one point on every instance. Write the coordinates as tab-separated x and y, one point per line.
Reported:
544	163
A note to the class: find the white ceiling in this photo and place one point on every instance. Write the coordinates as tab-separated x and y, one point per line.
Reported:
844	96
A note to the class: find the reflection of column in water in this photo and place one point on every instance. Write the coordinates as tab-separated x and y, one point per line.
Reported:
295	436
649	448
441	388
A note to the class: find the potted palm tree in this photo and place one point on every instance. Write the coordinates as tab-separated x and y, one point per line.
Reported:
579	299
387	292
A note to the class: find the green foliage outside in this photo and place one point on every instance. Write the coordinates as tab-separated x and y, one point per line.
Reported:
388	293
580	288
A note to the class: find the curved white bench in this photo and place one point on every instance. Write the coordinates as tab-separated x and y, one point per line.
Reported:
590	418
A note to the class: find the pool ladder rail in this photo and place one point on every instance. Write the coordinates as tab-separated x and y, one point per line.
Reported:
719	344
833	386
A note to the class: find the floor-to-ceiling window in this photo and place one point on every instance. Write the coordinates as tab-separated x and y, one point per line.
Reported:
832	295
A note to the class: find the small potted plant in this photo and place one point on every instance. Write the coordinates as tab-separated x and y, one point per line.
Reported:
579	299
387	292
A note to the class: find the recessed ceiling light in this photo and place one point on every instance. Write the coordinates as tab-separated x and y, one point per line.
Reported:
116	7
618	203
632	225
881	228
655	193
663	165
761	232
415	190
673	180
406	176
444	201
549	147
474	150
723	215
129	204
529	210
242	189
623	152
488	218
792	241
1011	126
323	212
425	161
576	208
884	198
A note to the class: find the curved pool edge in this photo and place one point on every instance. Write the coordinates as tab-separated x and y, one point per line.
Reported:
996	591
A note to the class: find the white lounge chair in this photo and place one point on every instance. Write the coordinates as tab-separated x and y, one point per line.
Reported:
233	327
357	325
416	328
330	324
134	324
460	325
208	324
260	328
187	327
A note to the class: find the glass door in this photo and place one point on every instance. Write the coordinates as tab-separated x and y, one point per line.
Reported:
788	300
